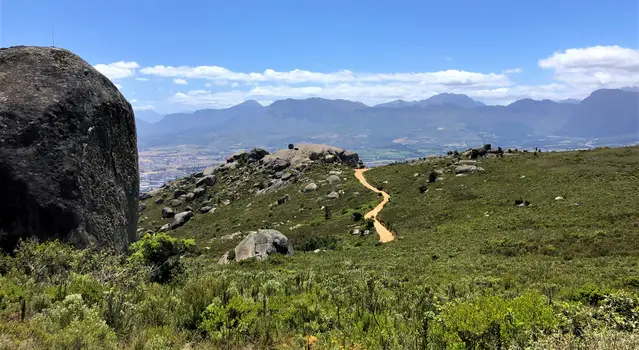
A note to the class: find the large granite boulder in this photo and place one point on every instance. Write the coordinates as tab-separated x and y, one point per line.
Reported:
68	152
262	244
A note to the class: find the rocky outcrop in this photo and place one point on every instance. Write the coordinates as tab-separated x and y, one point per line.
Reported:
305	154
68	152
251	156
262	244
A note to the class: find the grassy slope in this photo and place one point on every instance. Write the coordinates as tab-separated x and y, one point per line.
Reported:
465	227
251	212
445	235
469	226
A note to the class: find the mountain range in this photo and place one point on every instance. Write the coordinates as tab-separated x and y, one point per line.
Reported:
442	119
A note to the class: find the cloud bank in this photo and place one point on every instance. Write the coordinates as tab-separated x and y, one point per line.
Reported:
575	73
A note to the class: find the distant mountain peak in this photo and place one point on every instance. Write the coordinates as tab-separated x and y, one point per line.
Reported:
570	100
446	98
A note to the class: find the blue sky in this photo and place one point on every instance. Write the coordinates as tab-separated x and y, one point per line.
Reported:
371	51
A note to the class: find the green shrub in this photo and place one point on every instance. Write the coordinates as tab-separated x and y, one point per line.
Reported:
45	262
87	286
357	216
230	321
162	253
70	324
231	256
492	322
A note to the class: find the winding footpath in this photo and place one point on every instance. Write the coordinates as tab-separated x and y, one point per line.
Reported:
384	234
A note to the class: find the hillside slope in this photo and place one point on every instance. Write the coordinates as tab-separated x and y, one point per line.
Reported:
529	250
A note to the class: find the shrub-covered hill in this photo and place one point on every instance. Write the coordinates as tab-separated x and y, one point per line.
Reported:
529	250
311	201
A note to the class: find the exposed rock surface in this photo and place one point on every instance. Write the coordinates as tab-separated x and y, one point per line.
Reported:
262	244
68	152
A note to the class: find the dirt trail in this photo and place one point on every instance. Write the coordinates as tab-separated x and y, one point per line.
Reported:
384	234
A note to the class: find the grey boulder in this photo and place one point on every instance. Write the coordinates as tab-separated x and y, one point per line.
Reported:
68	152
180	219
262	244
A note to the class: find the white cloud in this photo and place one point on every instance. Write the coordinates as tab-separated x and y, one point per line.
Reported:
577	72
513	71
117	70
448	58
142	79
134	101
595	67
118	86
143	108
221	76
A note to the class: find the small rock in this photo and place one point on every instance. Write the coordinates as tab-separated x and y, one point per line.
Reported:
226	202
205	209
416	175
333	179
335	172
165	227
465	169
356	232
167	213
175	203
182	198
159	201
212	210
559	198
199	191
209	171
178	193
295	227
310	187
188	208
333	195
286	176
181	219
367	232
461	175
316	251
144	196
208	180
329	158
141	207
224	259
190	196
285	198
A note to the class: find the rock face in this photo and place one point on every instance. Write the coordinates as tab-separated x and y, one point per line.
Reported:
68	152
262	244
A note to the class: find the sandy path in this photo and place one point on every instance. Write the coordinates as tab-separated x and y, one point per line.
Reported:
384	234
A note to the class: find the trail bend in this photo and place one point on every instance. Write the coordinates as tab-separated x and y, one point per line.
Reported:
385	235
